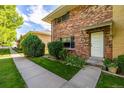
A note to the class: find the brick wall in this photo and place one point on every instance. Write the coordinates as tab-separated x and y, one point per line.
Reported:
79	17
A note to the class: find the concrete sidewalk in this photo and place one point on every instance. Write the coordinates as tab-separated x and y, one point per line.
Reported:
34	75
85	78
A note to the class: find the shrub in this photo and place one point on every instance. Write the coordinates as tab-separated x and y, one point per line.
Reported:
121	62
115	61
110	63
32	46
63	54
54	48
107	62
75	61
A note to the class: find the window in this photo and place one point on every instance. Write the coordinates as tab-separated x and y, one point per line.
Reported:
68	42
65	17
62	18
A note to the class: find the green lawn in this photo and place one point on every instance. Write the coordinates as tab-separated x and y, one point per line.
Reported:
9	76
64	71
110	81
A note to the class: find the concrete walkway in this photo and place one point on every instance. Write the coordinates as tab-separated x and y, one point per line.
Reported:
34	75
85	78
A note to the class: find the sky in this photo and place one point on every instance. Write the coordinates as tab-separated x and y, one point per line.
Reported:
32	15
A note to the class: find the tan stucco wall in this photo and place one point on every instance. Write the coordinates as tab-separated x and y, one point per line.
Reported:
118	30
46	39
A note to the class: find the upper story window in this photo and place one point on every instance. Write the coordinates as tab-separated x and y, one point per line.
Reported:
68	42
62	18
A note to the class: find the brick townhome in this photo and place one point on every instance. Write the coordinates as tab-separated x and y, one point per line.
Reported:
89	30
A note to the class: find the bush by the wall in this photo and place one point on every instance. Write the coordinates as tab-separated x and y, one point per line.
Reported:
121	62
32	46
54	48
63	54
75	61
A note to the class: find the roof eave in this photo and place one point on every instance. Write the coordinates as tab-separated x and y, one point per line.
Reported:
58	12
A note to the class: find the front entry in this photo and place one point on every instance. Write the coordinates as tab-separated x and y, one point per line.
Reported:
97	44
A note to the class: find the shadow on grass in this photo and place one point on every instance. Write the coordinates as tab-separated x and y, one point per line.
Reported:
4	52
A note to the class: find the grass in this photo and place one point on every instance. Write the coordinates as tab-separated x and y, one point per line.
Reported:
64	71
110	81
9	76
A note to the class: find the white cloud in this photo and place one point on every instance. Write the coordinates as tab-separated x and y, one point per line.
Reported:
37	14
25	17
19	33
27	24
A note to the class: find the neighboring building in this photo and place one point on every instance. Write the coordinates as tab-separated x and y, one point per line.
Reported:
89	30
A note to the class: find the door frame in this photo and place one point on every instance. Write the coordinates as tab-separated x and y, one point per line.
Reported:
103	42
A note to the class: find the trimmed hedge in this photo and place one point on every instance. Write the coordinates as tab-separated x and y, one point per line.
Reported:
54	48
33	46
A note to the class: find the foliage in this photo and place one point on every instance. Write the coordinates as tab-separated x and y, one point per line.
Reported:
110	63
64	71
75	61
54	48
115	61
121	58
107	62
22	37
113	65
63	54
121	62
10	20
33	46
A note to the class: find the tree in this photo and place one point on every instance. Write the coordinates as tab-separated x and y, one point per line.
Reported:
32	46
10	20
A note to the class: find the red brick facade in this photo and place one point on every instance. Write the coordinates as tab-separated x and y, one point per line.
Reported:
80	17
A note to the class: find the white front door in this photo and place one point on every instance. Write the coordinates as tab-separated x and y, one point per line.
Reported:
97	44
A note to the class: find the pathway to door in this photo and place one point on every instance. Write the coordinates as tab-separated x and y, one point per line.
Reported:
37	77
34	75
85	78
